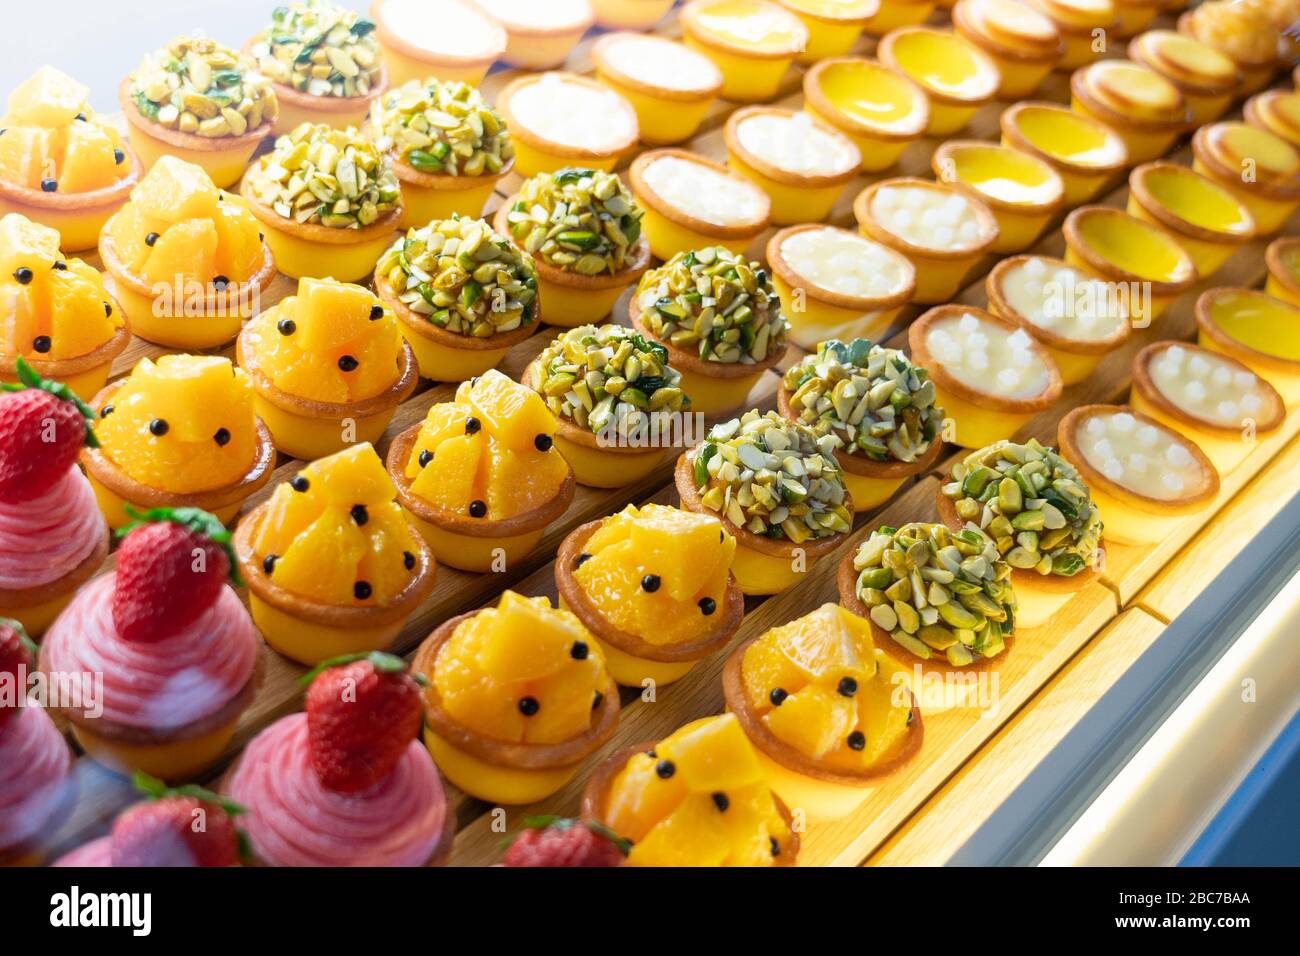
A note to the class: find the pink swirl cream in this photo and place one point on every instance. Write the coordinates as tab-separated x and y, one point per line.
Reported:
35	772
95	853
158	685
293	820
43	539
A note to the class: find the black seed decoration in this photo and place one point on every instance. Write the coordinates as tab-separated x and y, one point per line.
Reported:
708	606
650	583
359	514
408	560
106	411
472	425
41	343
362	590
651	754
847	687
543	442
49	186
376	312
222	437
158	427
857	740
778	696
299	483
268	563
776	846
664	769
910	715
721	801
220	283
150	239
529	706
23	275
81	116
426	456
59	266
261	237
579	650
119	157
597	700
108	310
582	559
287	326
348	364
477	508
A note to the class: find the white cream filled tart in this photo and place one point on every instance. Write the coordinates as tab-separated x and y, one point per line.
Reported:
704	191
795	144
1141	456
1061	300
928	218
845	263
989	356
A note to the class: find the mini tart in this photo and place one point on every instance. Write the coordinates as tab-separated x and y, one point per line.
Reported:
40	788
1235	30
1024	44
1283	259
942	261
834	26
957	76
1087	154
753	43
983	415
1259	331
629	14
1121	248
565	137
35	608
1276	111
880	109
1207	78
1023	192
1139	104
1224	406
540	36
1221	151
1134	516
1209	222
898	13
729	209
452	40
1076	21
671	87
1012	283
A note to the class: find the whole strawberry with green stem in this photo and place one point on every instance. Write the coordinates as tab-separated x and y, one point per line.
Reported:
561	842
17	654
183	826
43	426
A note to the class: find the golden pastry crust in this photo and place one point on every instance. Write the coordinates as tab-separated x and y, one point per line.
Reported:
987	221
1079	244
602	56
61	369
530	137
1141	192
1269	421
638	260
781	267
1049	337
731	135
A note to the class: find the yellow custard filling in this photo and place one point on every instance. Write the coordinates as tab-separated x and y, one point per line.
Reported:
764	28
1061	299
872	95
1155	462
705	193
1195	199
574	115
1206	386
795	144
845	263
988	356
1135	247
1003	174
944	64
1070	138
929	218
1259	322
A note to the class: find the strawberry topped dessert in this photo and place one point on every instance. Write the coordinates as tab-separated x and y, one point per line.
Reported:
52	534
347	783
564	842
177	649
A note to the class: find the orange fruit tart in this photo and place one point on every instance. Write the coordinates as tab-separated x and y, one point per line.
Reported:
177	653
616	399
517	697
448	147
328	368
329	201
61	164
583	229
654	586
451	40
334	566
1244	32
480	475
777	488
823	709
695	798
186	261
201	102
323	62
540	35
60	318
720	319
178	432
877	404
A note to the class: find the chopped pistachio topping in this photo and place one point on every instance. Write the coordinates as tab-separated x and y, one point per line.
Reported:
319	49
462	276
773	477
441	128
332	177
609	377
713	302
577	220
196	85
1032	503
878	403
937	592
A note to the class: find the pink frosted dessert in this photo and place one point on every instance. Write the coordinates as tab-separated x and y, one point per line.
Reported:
45	539
35	778
95	853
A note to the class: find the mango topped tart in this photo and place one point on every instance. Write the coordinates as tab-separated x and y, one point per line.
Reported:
654	585
187	261
180	431
517	696
328	367
61	164
696	798
481	474
333	563
58	315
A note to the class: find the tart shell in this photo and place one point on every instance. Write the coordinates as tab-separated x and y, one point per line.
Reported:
1078	244
731	135
646	194
1147	388
781	266
875	231
530	137
61	369
638	260
1050	338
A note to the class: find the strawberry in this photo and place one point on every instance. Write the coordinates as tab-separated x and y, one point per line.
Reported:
42	428
171	567
363	711
554	841
17	653
188	826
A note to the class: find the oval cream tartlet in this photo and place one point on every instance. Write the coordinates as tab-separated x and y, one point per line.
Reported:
753	43
1081	23
1261	332
1147	110
562	119
958	78
1024	44
1023	191
1224	151
1087	154
834	26
670	86
1206	78
1283	259
879	109
449	40
1207	220
540	35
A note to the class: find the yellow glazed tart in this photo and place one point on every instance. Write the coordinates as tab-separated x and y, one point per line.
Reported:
449	40
1207	220
558	120
1259	331
753	43
1134	16
990	375
1024	44
1021	190
1276	111
186	261
1225	152
1208	398
1078	318
670	86
211	107
1144	477
1241	31
328	368
942	229
691	202
540	35
60	164
958	78
629	14
458	323
1142	106
1283	260
800	163
1087	155
834	283
898	13
333	565
880	110
1084	25
480	475
834	26
1206	78
1151	267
